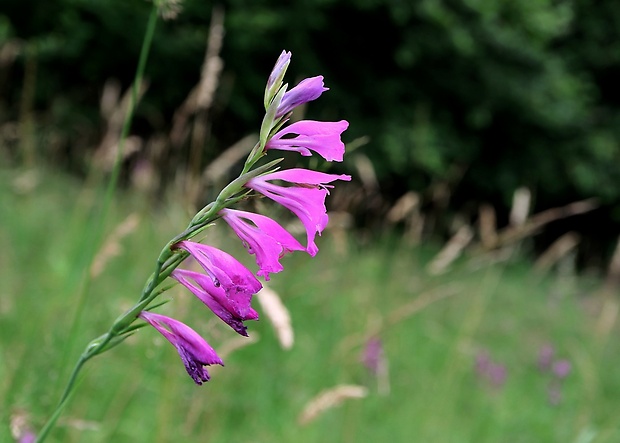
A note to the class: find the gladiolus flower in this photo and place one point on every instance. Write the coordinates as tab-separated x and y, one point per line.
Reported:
262	237
237	281
320	137
307	90
277	74
194	351
306	201
215	299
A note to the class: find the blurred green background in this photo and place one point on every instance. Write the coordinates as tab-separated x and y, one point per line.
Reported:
461	112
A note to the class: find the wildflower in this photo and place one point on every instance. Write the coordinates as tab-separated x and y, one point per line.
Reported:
277	74
215	299
307	90
545	357
194	351
373	355
321	137
238	283
493	373
262	237
306	201
561	369
28	437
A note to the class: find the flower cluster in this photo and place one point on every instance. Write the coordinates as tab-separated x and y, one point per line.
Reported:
226	286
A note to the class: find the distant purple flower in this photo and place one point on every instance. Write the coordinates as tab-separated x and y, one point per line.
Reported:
483	361
545	357
491	372
226	272
262	237
321	137
28	437
497	374
554	392
215	298
281	64
194	351
373	355
306	200
561	368
307	90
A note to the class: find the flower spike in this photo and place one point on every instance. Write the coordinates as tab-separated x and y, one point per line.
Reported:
306	200
194	351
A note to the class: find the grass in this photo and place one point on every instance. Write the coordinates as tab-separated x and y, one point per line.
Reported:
432	329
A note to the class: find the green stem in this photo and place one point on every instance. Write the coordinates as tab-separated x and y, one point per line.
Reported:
91	351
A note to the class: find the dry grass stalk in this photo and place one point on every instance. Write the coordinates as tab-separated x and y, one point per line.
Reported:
278	315
366	172
328	399
451	251
406	205
112	246
609	305
558	250
201	96
218	168
613	271
114	110
521	201
488	226
20	425
514	234
413	307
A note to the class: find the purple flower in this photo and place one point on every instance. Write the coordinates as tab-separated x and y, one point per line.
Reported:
279	68
320	137
545	357
195	352
493	373
28	437
307	90
238	283
215	298
561	368
306	201
373	355
262	237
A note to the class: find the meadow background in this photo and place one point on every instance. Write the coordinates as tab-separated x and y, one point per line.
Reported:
480	230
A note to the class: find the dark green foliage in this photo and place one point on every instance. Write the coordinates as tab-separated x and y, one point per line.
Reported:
516	93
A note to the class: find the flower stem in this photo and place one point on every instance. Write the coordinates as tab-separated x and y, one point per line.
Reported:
93	350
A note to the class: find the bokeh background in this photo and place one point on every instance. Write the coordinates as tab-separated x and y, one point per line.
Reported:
466	290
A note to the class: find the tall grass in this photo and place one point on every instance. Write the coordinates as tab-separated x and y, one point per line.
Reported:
432	329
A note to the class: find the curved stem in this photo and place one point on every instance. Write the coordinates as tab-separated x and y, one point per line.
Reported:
91	350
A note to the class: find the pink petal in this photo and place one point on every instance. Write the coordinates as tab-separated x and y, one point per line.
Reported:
215	299
226	271
194	351
307	90
263	237
321	137
308	203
